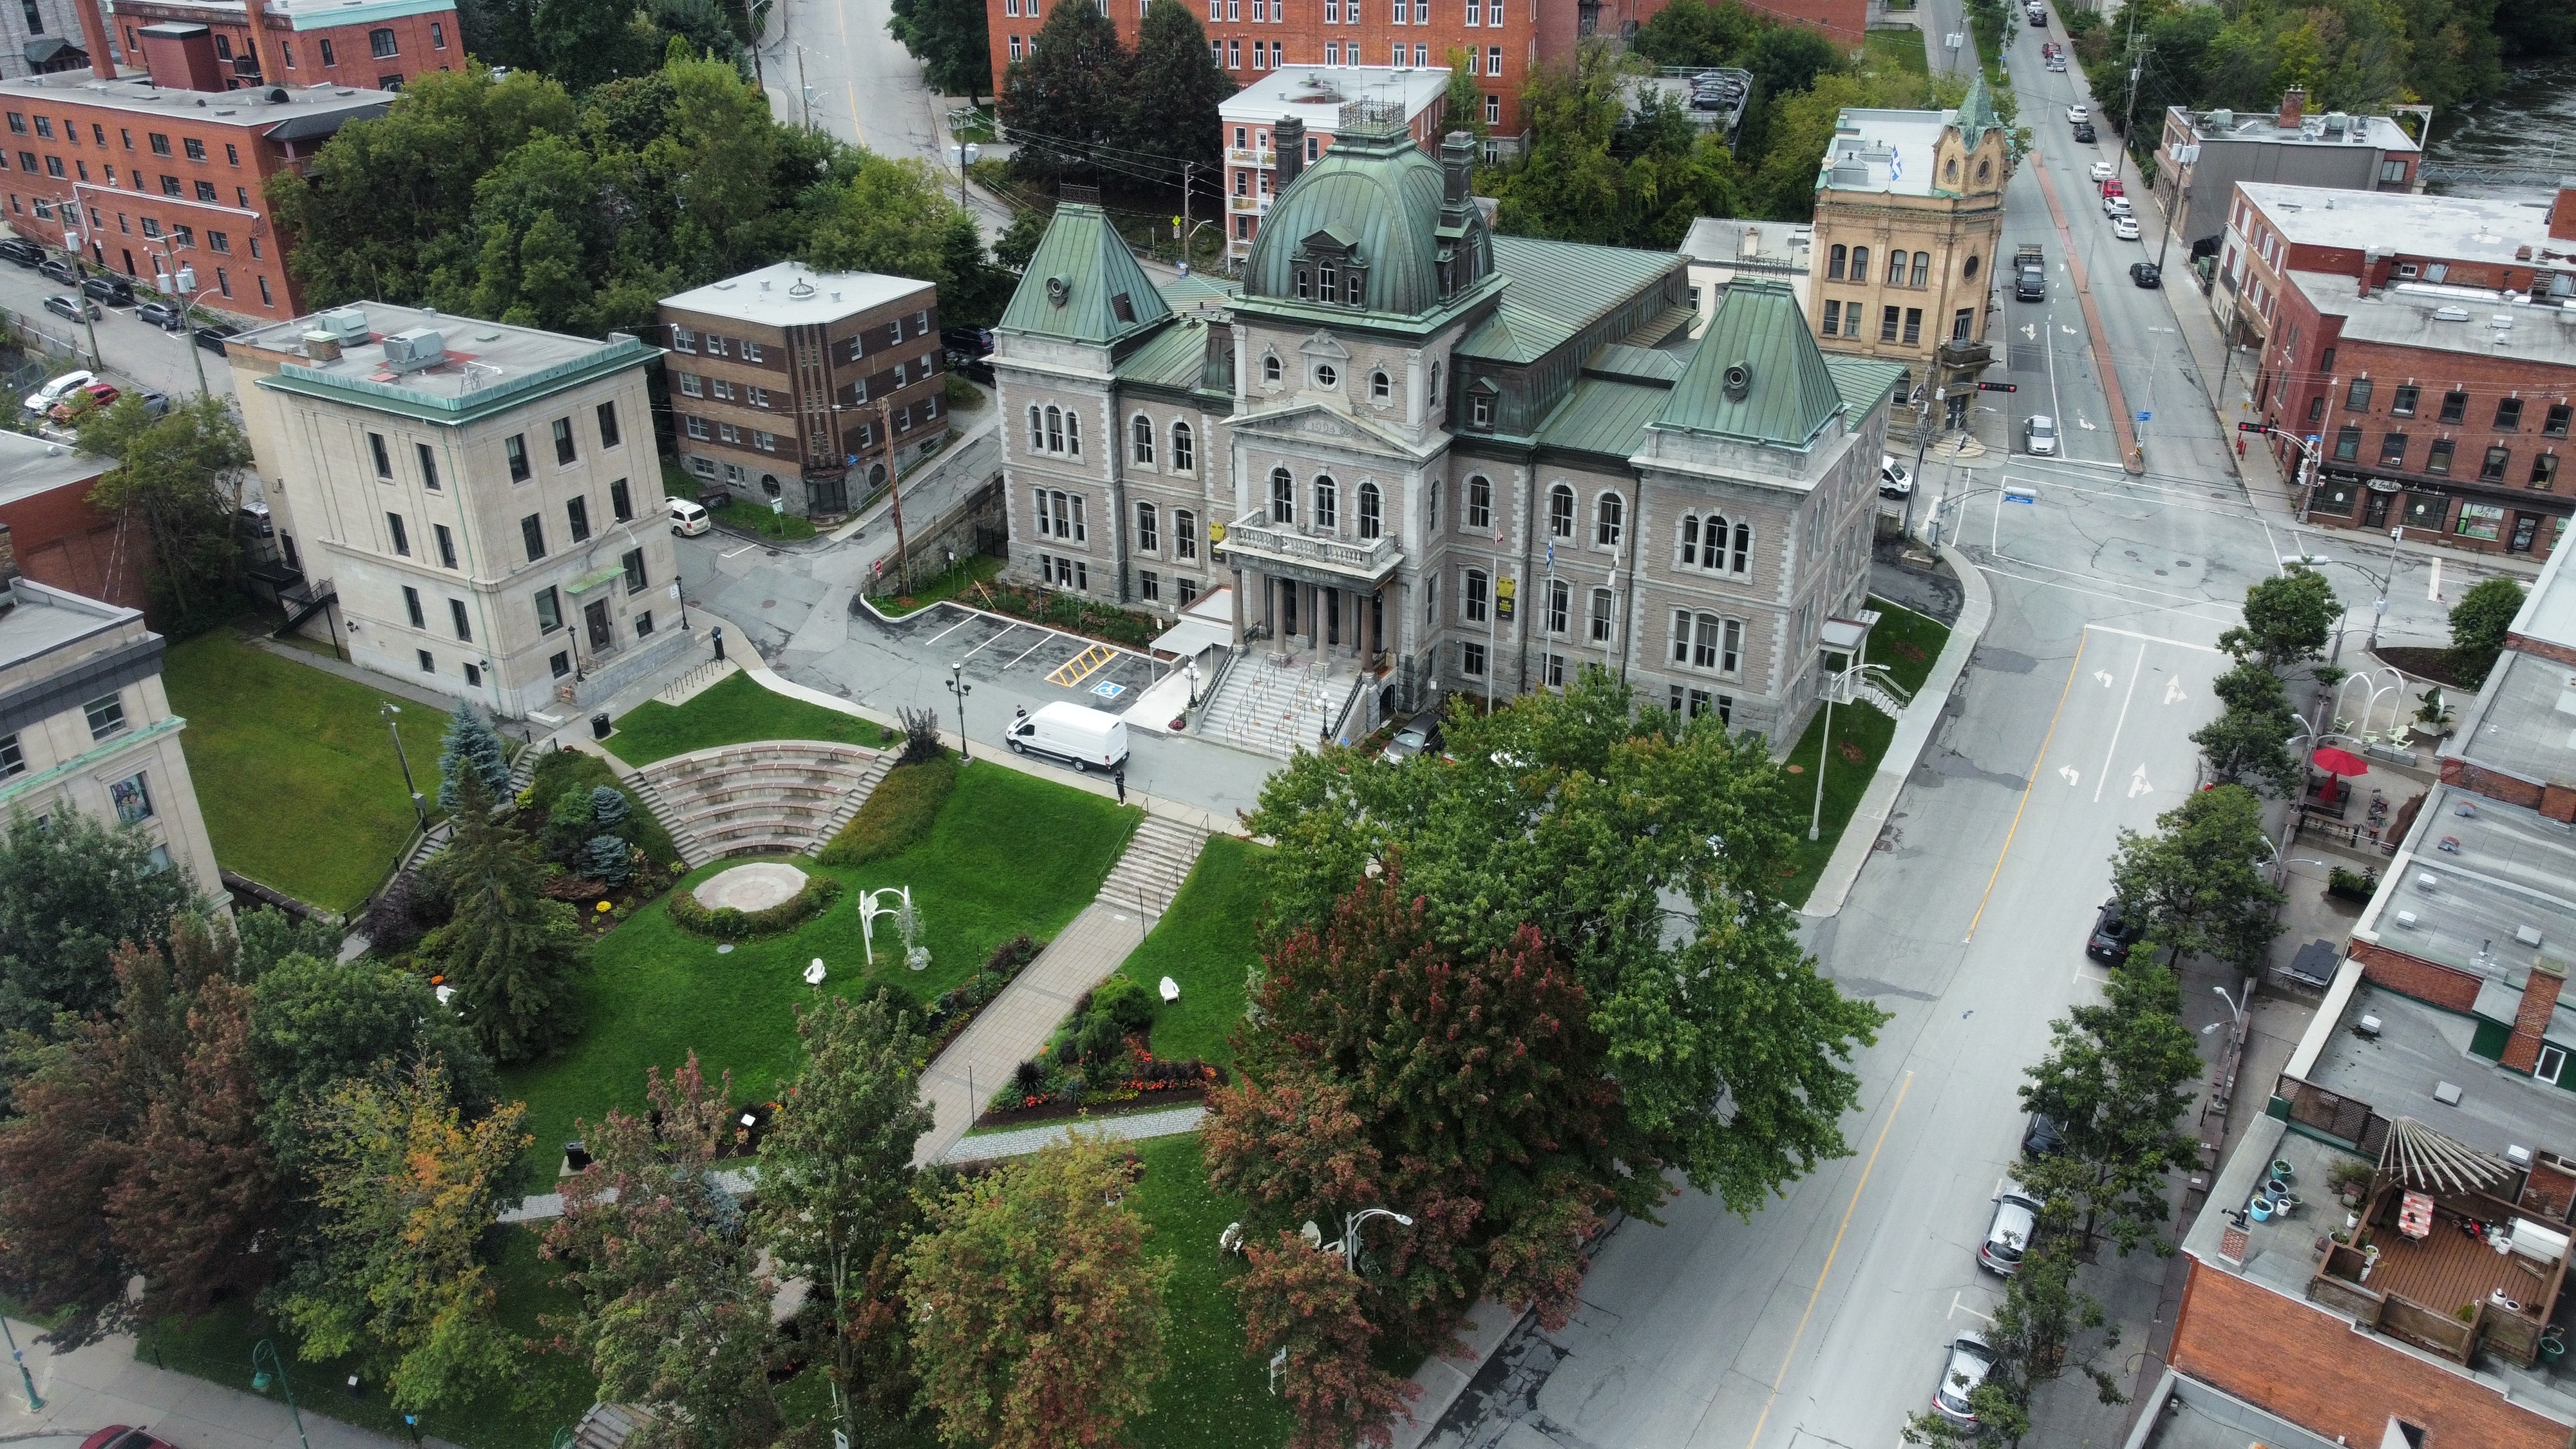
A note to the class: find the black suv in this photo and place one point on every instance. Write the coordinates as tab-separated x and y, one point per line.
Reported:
2042	1138
2113	934
2085	133
60	270
114	291
25	254
967	341
212	338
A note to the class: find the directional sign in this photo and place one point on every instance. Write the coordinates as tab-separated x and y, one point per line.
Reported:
2017	494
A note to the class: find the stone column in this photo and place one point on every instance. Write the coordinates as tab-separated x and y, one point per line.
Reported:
1236	642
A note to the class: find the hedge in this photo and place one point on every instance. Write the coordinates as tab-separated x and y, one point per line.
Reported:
726	923
896	815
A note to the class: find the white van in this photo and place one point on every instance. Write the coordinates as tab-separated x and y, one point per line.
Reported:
688	520
1087	739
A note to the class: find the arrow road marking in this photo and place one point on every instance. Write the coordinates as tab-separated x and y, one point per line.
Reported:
2137	666
2138	783
2085	423
2173	691
2103	675
2030	331
2073	775
2069	331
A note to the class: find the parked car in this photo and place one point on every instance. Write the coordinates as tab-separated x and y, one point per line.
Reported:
2057	62
1420	735
688	520
2146	274
977	369
60	270
2042	1138
55	391
2116	205
2039	436
2084	132
98	396
24	253
2114	932
155	404
967	341
2078	115
62	306
2103	171
1893	480
1969	1361
2125	227
114	291
168	316
120	1436
212	338
2008	1234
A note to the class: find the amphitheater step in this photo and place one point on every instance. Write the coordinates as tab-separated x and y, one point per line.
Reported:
770	796
1156	861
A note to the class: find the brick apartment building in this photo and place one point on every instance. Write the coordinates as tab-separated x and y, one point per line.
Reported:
60	540
1296	111
2427	346
370	44
2203	155
151	172
786	381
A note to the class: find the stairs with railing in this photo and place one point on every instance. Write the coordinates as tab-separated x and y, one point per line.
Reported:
1873	685
1273	709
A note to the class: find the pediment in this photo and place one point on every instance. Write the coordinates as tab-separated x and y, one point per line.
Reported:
1324	344
1314	423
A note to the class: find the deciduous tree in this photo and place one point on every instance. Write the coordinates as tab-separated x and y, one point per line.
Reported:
179	477
511	953
1070	94
316	1024
2248	744
2044	1329
71	889
2288	618
2198	882
950	39
1037	1318
2117	1078
2479	623
1310	1303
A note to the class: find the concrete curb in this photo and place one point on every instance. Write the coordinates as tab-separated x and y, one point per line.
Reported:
1913	732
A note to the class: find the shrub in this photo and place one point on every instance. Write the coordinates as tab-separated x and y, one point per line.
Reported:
559	772
920	736
726	923
567	828
1125	1001
897	814
392	922
609	858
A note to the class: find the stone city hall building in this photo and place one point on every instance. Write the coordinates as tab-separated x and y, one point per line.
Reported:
1427	459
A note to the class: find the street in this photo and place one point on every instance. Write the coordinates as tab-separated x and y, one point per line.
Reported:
134	351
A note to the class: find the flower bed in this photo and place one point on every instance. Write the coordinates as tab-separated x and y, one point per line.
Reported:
727	924
1099	1057
955	1007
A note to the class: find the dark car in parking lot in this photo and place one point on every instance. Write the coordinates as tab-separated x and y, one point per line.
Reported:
168	316
212	338
1419	735
2114	932
114	291
967	341
24	253
2042	1137
60	270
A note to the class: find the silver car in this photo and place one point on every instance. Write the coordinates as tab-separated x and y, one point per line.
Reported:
2039	435
2008	1236
1969	1362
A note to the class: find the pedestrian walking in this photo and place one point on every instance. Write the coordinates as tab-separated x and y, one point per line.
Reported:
717	634
1118	777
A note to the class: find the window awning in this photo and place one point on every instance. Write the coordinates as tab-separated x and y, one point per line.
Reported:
595	578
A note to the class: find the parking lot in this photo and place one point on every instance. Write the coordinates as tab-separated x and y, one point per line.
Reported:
1055	664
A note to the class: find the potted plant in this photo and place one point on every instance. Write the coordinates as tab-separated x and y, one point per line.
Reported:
2350	1178
2432	716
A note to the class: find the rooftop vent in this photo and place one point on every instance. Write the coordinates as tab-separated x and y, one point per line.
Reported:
2450	314
413	350
2527	935
2406	919
347	324
2519	1156
2501	321
2427	882
2367	1027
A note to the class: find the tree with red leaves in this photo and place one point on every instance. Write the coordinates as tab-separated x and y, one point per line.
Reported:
1310	1304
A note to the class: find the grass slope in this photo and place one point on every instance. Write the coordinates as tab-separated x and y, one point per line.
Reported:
1205	943
1214	1396
736	710
1907	643
294	768
1009	853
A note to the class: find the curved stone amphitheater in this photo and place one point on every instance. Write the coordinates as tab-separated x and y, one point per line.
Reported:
771	797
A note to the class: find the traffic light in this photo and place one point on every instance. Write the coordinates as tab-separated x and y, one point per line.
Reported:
1997	387
2253	428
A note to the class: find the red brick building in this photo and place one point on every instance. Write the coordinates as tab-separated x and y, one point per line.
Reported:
372	45
61	541
2425	345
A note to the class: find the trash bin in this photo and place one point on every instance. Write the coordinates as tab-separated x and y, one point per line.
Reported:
576	1156
599	725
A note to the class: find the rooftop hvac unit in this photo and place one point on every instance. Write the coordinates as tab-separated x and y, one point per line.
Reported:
2406	919
415	349
2519	1157
2450	314
346	324
2541	1245
2367	1027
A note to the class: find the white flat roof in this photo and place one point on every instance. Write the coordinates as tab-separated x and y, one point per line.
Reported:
791	294
1314	93
2456	228
1884	151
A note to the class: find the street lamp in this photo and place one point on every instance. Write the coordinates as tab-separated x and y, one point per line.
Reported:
388	711
1351	1231
260	1378
2234	1010
2383	581
1922	445
18	1356
958	686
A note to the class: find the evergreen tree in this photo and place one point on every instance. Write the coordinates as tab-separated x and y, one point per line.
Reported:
470	746
1173	92
510	952
950	39
71	889
1070	93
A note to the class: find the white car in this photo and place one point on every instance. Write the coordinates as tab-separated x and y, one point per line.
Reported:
688	520
2103	171
2125	228
42	400
2039	436
1893	480
2078	115
2116	206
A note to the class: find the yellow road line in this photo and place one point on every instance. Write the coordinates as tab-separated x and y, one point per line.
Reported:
2080	641
1818	1291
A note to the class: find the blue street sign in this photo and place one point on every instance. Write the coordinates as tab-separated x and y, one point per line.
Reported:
2142	417
851	462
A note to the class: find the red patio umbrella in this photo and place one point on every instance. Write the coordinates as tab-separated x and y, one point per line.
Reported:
2337	761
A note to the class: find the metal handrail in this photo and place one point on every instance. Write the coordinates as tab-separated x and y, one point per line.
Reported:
1349	702
1216	681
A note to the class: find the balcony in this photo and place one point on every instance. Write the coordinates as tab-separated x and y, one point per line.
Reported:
1247	156
1965	355
1257	205
1315	558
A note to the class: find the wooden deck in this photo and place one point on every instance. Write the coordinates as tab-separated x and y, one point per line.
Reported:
2450	1268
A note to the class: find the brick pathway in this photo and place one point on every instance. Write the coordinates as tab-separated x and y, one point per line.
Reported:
1134	1126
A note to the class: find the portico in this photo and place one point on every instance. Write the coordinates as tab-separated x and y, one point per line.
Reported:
1329	591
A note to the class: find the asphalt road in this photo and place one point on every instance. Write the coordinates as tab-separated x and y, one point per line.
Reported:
134	351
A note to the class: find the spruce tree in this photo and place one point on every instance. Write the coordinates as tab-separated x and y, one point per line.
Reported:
510	952
470	742
1171	102
1070	94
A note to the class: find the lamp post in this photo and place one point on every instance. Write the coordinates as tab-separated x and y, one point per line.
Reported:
261	1378
2235	1011
26	1380
2384	581
1351	1232
388	711
958	686
1922	444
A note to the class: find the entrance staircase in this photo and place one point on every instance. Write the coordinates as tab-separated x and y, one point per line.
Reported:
773	797
1158	859
1271	707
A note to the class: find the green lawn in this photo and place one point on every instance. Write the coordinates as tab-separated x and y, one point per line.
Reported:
962	579
759	519
295	769
1204	942
553	1390
1009	853
736	710
1214	1393
1896	50
1907	643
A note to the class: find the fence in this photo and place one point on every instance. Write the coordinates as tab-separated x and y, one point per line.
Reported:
2332	1115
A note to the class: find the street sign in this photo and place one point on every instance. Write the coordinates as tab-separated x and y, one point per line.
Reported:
1998	387
2142	417
2315	438
2015	493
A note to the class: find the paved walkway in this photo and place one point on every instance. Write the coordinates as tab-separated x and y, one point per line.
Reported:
91	1388
1132	1127
1016	1023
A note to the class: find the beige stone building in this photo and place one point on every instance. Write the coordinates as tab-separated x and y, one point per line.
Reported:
85	724
1908	231
473	506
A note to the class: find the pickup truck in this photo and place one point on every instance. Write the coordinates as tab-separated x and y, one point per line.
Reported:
2030	273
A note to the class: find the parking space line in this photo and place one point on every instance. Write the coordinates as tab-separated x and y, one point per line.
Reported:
1958	1307
998	637
951	629
1044	636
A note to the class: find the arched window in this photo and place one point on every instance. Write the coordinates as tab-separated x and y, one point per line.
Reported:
1835	261
1371	526
1182	455
1144	430
1037	430
1379	387
1480	502
1742	562
1560	512
1474	595
1896	268
1283	496
1054	431
1436	399
1073	433
1327	501
1270	369
1351	287
1970	269
1950	172
1985	169
1689	551
1431	505
1860	264
1922	269
1609	515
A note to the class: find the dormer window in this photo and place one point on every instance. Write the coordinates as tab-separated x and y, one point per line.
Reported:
1302	283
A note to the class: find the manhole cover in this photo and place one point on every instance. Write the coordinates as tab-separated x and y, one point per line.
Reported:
769	603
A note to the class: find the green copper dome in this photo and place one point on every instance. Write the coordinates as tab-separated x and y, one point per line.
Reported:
1372	206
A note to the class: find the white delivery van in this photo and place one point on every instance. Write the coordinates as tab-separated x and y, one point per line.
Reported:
1087	739
688	520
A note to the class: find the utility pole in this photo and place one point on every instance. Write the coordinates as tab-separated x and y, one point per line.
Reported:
894	494
80	299
1187	169
804	90
753	25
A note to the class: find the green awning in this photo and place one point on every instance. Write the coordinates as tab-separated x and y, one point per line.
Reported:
595	578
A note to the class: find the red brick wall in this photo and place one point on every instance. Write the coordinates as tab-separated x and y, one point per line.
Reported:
423	43
2493	784
2542	647
2423	980
2310	1367
64	542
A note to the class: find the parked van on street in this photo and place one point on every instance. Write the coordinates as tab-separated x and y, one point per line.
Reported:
1086	739
688	520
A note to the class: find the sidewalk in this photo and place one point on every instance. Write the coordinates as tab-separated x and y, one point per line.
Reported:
1128	1127
91	1388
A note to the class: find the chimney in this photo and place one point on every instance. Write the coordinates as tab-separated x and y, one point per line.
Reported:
2562	212
1288	140
2539	998
2294	104
94	33
1457	168
180	54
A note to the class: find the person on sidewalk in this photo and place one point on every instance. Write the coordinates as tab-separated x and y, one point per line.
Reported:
1118	777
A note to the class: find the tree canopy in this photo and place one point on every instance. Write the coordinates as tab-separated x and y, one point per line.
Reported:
2479	623
950	40
1070	93
180	476
71	889
2288	618
510	952
1593	175
2198	883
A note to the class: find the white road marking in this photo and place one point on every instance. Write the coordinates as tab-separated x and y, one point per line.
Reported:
2085	423
2103	675
1957	1307
1032	649
2030	331
737	553
2087	977
2069	331
951	629
2228	614
2138	783
2173	691
2119	722
2150	638
2073	775
2434	591
989	643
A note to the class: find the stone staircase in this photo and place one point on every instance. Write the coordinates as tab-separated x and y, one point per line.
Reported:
1273	708
1158	859
773	797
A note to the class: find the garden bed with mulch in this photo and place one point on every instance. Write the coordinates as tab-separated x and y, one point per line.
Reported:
1096	1105
2422	662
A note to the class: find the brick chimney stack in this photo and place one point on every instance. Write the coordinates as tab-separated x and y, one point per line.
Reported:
94	33
2562	212
1288	152
2294	104
2539	998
